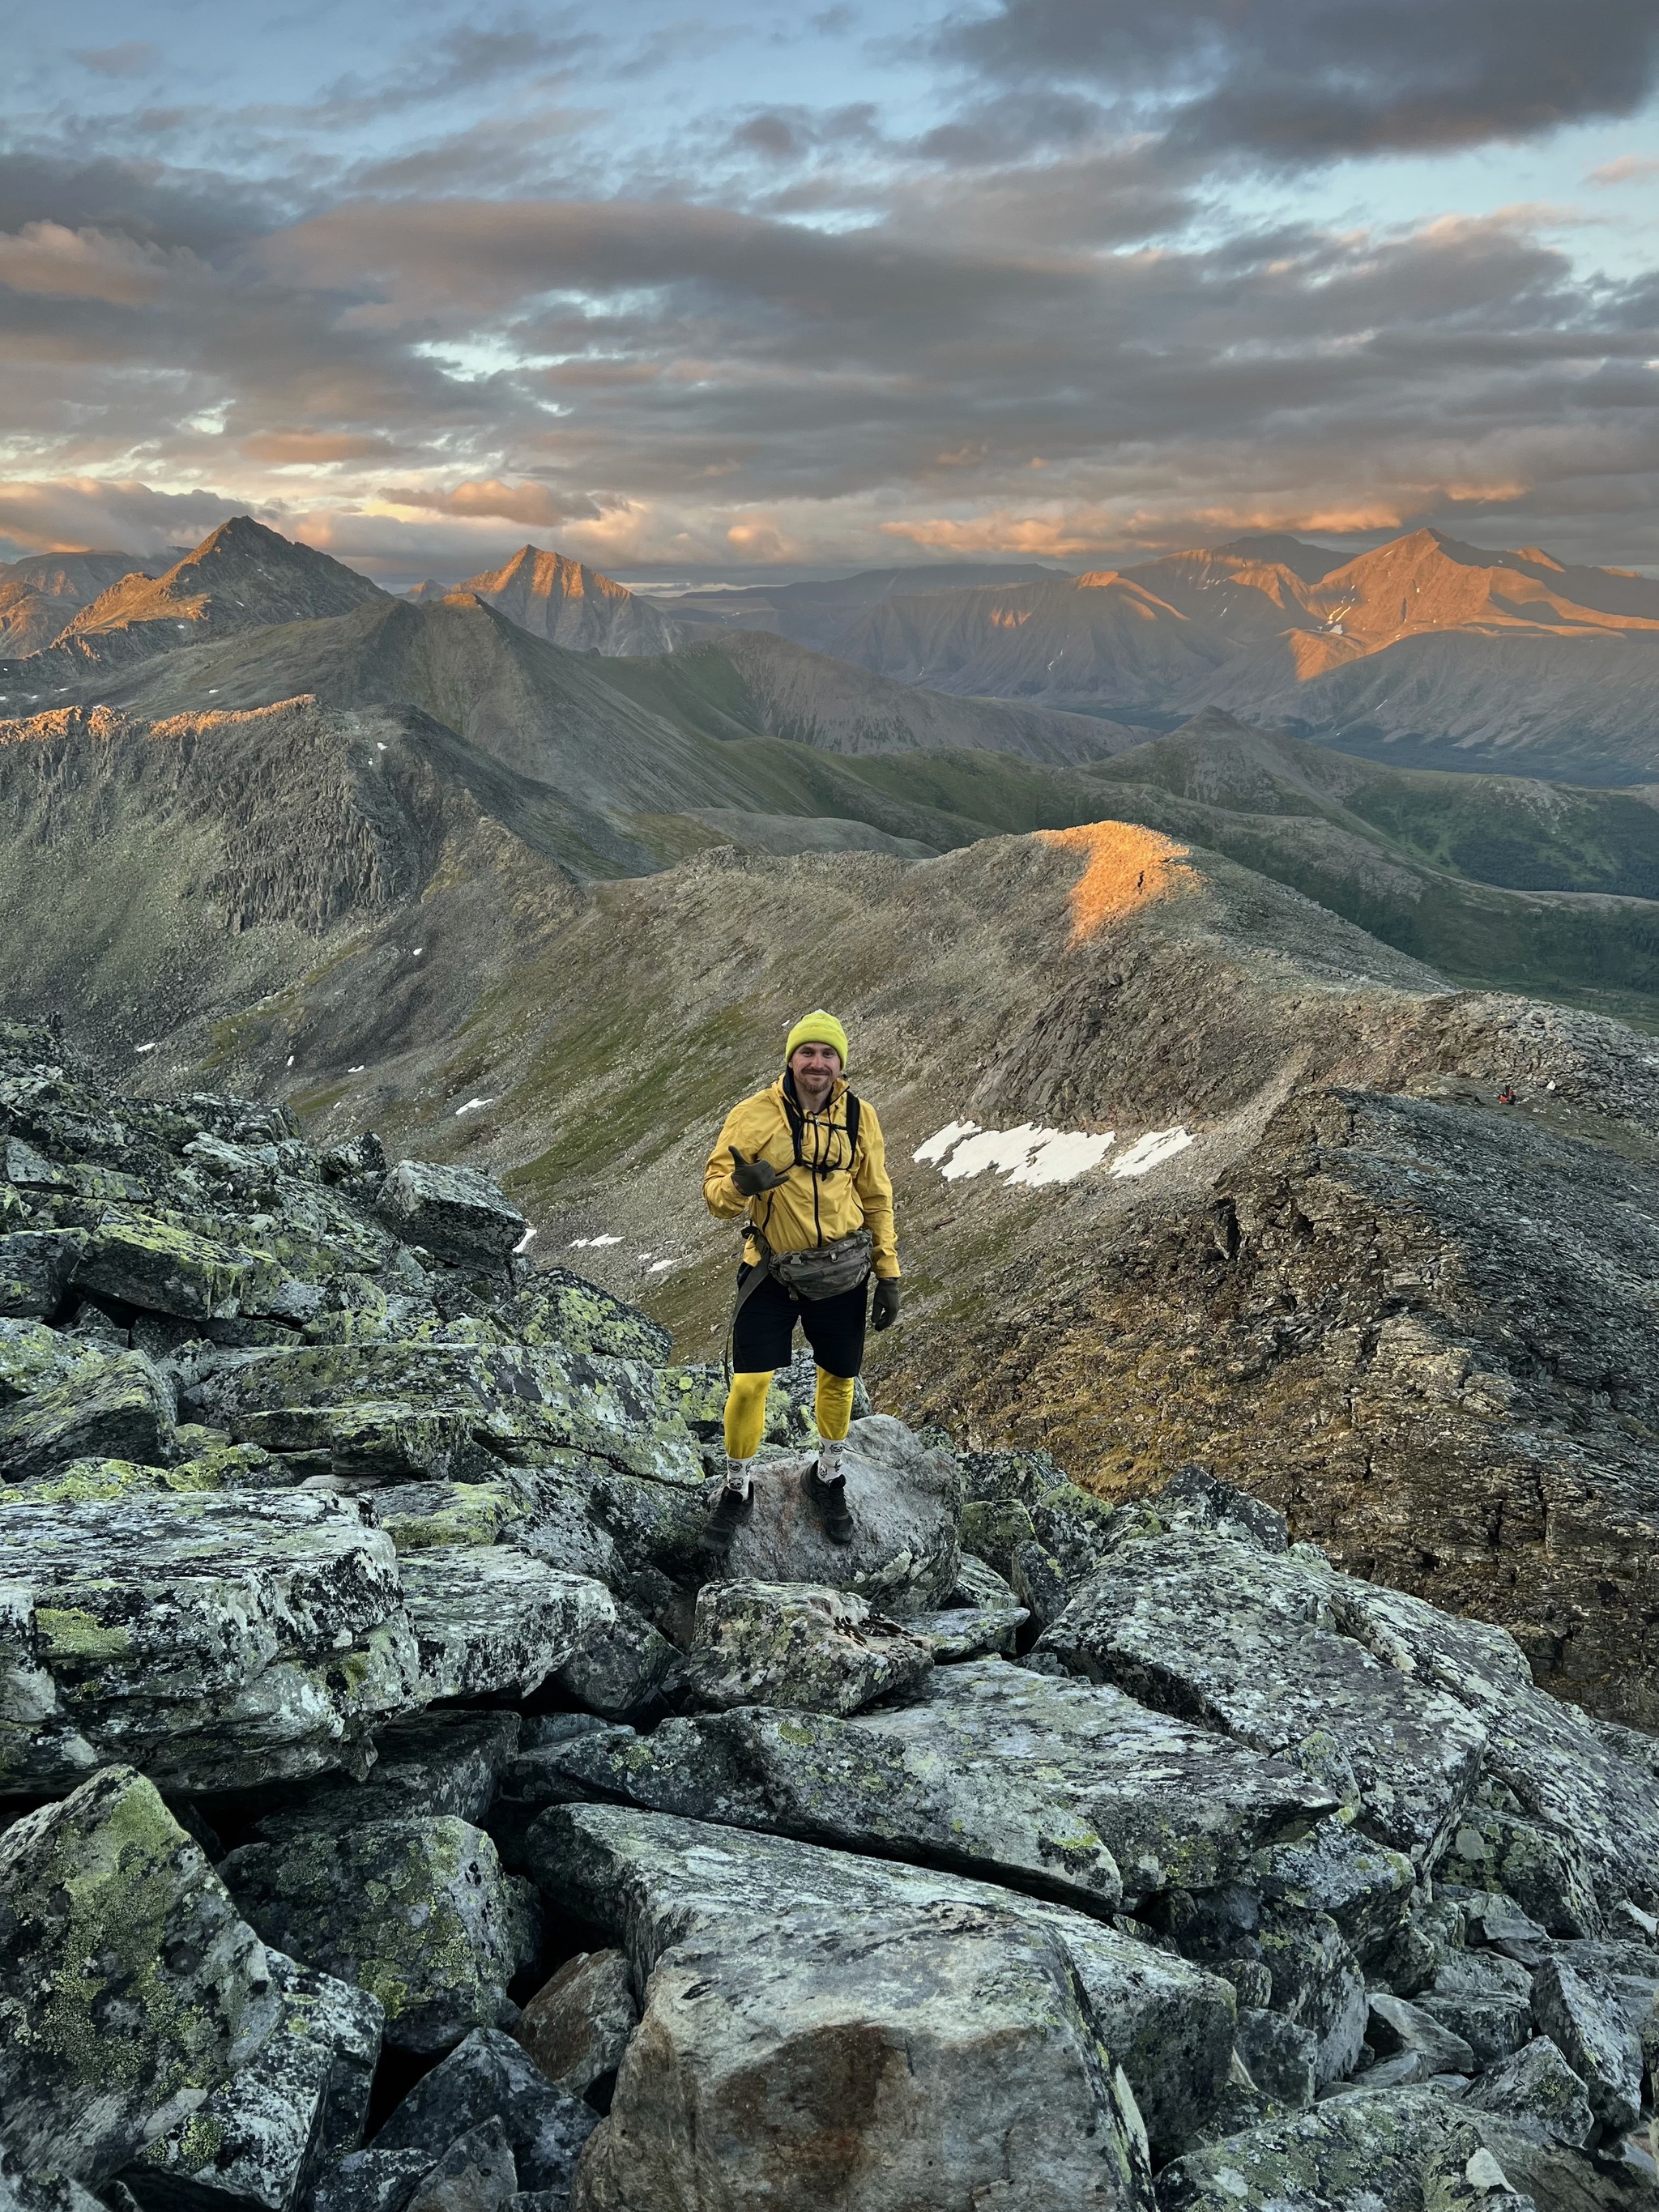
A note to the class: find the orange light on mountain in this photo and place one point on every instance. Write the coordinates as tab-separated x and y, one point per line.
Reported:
1125	867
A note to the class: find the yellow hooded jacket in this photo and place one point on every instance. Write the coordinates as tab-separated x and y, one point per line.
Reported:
806	1209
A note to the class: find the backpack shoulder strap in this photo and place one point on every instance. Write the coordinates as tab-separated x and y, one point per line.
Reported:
855	1116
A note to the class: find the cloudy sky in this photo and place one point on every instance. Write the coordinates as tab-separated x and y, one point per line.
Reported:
725	288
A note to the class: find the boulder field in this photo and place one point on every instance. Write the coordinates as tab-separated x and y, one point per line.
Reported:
396	1816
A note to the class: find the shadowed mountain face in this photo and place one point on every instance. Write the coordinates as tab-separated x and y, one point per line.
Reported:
43	591
565	602
820	614
1424	642
241	577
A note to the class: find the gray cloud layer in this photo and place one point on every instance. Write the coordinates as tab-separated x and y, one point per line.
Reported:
794	332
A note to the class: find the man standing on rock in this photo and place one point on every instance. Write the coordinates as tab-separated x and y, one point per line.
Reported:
803	1164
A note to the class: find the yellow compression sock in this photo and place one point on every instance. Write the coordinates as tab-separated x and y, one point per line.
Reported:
833	1405
745	1414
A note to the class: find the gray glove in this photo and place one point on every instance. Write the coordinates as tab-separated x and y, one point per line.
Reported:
753	1177
883	1312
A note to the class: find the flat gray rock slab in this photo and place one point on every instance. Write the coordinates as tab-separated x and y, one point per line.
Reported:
492	1619
906	1502
1565	1769
518	1397
1249	1643
216	1640
797	1644
113	1916
1399	2150
658	1882
1077	1786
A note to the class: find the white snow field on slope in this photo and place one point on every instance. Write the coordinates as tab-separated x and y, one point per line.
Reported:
1032	1155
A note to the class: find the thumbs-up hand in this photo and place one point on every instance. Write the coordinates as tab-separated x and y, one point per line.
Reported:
753	1177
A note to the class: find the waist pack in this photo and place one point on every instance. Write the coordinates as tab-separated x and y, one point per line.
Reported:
821	1271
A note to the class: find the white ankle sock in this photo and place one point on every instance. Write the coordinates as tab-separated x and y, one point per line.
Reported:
830	1452
736	1475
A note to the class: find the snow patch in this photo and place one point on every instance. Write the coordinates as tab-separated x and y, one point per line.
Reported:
1151	1150
1064	1156
936	1146
144	1048
587	1243
661	1266
472	1106
1033	1156
523	1244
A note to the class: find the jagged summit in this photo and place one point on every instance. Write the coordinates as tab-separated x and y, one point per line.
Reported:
242	576
564	601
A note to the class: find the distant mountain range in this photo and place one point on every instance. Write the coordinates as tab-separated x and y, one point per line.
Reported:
609	764
1425	645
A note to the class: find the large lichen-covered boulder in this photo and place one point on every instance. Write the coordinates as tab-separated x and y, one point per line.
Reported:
797	1644
905	1498
658	1882
455	1211
1249	1643
1538	2094
519	1399
120	1408
259	2140
558	1307
939	2057
417	1911
216	1641
1074	1787
1584	1786
161	1267
1402	2150
133	1987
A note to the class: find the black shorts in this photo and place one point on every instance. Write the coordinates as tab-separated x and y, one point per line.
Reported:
764	1335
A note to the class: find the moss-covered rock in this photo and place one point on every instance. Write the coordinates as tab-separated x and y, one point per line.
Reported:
162	1268
797	1644
133	1987
416	1912
1402	2150
217	1640
556	1306
91	1481
122	1408
35	1267
517	1399
256	2144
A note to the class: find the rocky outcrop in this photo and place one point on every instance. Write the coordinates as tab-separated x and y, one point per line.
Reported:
375	1749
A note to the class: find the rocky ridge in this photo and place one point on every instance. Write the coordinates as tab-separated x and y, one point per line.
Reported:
397	1820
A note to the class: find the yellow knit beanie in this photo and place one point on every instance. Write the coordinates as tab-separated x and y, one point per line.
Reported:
818	1028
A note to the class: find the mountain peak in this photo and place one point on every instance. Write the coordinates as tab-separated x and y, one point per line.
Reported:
241	576
567	603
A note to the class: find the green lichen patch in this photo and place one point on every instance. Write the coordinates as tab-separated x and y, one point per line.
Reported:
133	1977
